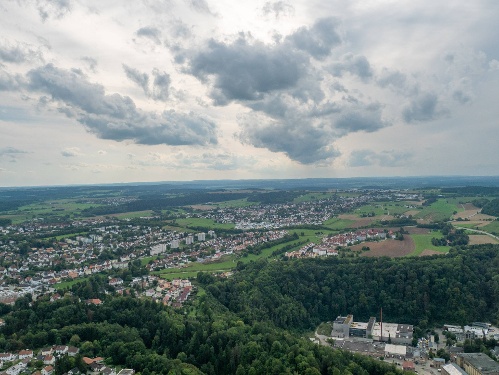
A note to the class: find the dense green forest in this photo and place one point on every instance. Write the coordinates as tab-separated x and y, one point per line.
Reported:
458	288
491	208
154	339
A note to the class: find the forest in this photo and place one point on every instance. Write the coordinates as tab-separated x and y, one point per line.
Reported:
457	288
254	322
156	339
491	208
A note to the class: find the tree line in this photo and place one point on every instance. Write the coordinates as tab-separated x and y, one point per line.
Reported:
457	288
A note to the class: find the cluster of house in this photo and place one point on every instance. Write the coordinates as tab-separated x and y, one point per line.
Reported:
477	330
172	293
330	244
313	212
20	362
274	216
218	247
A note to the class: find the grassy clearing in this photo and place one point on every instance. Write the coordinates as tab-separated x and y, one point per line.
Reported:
229	262
201	222
68	284
338	224
325	328
439	211
493	227
382	209
179	275
464	224
423	242
134	214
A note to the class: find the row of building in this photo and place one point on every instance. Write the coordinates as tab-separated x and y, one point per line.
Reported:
345	327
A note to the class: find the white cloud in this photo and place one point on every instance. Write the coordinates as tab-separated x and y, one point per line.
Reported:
309	88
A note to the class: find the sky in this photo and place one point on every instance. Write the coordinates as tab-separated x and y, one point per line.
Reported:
113	91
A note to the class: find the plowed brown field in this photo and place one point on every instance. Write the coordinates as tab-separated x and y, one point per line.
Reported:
390	248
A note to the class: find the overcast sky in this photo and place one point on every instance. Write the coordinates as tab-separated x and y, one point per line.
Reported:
96	91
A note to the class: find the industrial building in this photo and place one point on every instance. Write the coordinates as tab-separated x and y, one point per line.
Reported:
345	326
477	364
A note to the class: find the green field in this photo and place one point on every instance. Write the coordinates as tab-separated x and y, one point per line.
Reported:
464	224
235	203
46	209
201	222
382	208
312	197
338	224
68	284
134	214
230	261
439	211
493	227
423	242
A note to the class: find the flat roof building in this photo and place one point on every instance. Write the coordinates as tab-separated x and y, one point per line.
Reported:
477	364
396	333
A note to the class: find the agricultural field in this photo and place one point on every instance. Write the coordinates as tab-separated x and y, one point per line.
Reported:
390	248
492	227
422	242
46	209
480	239
440	210
338	223
381	209
359	222
201	222
133	215
313	196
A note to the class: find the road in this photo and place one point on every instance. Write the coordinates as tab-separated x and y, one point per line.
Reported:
477	231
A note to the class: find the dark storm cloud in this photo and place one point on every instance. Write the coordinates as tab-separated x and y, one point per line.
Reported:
368	121
281	84
299	140
161	85
141	79
354	64
18	53
115	116
421	108
366	158
306	133
151	33
319	40
278	8
246	71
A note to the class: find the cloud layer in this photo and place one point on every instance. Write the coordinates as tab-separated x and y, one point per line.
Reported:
115	116
200	89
